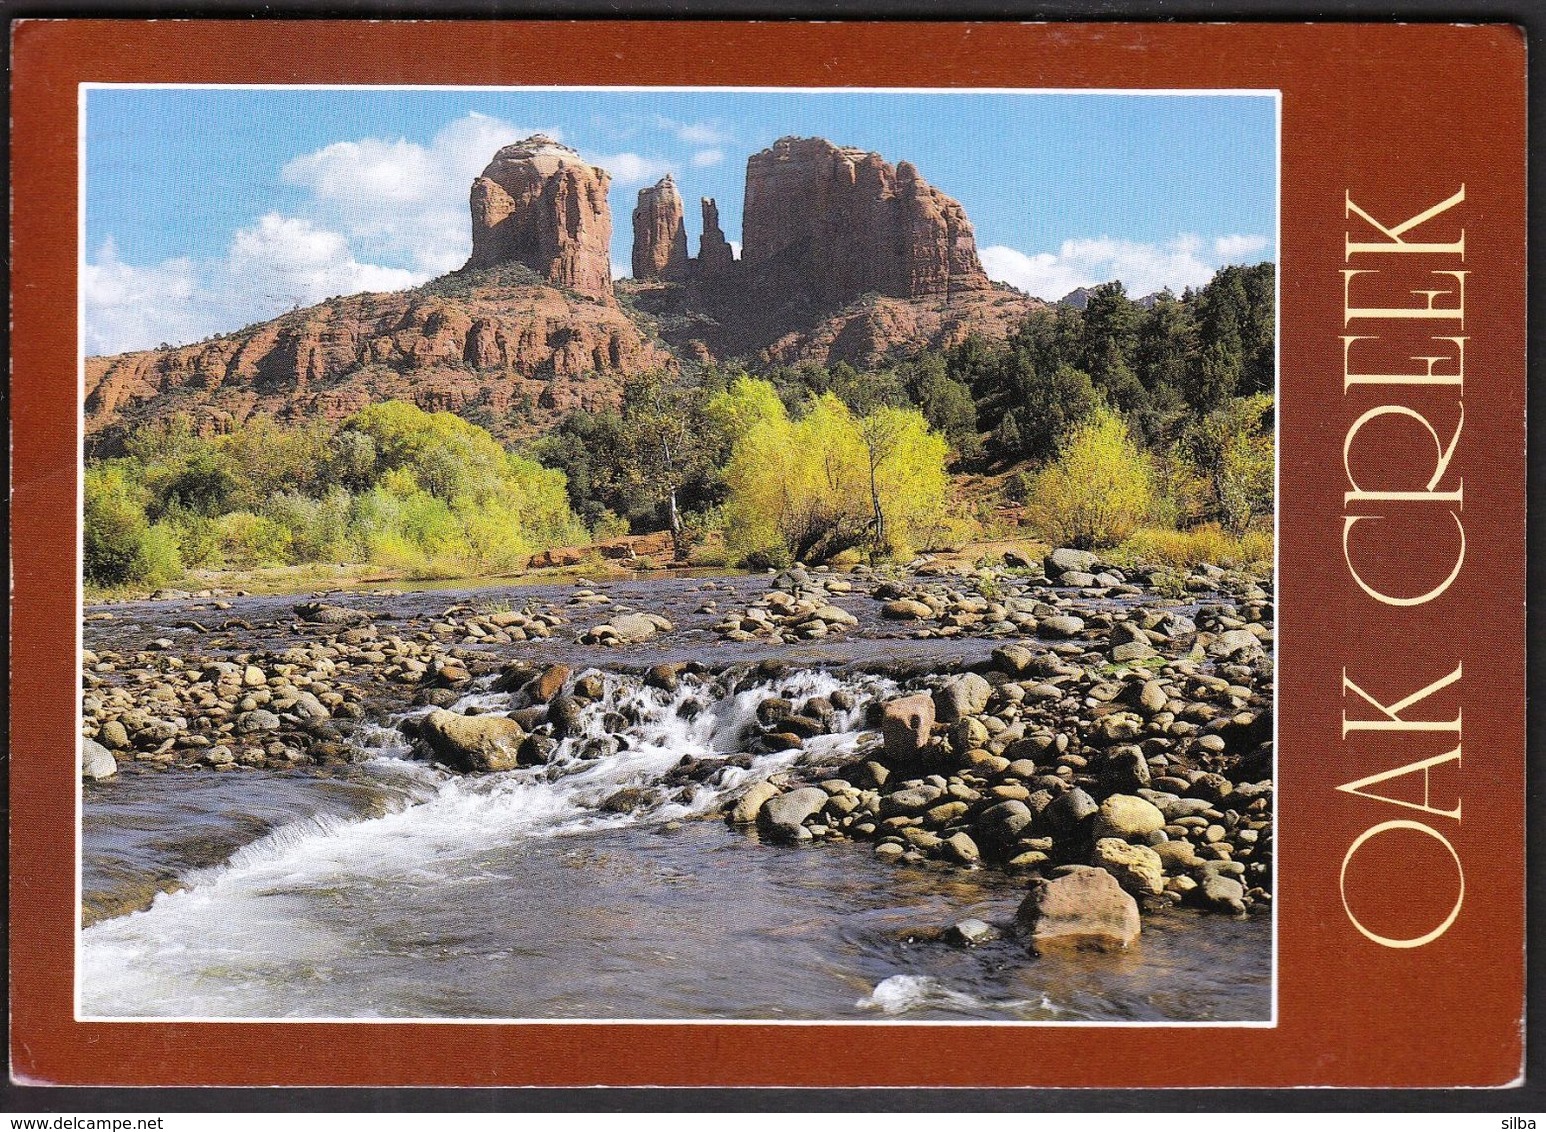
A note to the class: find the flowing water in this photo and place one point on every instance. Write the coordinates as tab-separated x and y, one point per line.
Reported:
396	890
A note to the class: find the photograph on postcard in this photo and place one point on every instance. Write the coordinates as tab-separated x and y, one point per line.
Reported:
712	555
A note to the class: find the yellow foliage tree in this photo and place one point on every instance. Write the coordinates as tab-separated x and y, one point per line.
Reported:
1099	490
814	487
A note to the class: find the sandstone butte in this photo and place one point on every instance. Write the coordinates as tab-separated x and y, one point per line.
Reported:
846	258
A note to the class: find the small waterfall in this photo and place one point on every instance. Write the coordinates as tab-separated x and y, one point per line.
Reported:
265	897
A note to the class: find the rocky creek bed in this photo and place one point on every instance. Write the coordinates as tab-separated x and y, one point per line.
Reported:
1094	744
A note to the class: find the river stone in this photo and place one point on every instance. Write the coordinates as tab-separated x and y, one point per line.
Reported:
1069	812
631	628
472	743
1129	651
1013	660
329	614
1126	816
910	801
1079	906
905	609
564	715
1152	697
1236	642
253	676
1177	856
1222	894
773	710
114	735
1125	770
971	933
1119	727
780	817
307	706
749	804
961	696
1060	625
97	761
549	684
962	849
666	677
999	826
537	750
1065	559
257	720
1138	868
905	725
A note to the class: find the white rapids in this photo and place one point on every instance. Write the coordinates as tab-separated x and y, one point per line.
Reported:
287	903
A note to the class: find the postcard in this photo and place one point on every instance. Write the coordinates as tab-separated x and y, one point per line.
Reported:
768	554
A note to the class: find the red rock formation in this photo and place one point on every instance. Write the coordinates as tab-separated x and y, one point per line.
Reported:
538	203
839	222
497	345
715	256
659	238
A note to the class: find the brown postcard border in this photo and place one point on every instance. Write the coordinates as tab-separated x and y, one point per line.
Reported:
1395	116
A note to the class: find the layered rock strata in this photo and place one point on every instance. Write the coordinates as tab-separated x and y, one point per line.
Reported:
540	204
841	222
659	237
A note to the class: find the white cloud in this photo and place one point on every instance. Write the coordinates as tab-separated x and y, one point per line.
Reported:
292	262
693	133
708	157
279	263
1143	268
370	202
1234	248
632	168
399	200
129	307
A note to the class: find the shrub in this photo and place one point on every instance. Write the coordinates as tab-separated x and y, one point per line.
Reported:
248	539
114	519
1099	491
1186	549
158	560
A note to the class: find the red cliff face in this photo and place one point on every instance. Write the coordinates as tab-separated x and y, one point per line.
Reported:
839	222
659	238
539	204
530	330
498	345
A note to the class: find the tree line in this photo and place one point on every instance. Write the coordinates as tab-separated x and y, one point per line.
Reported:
1102	422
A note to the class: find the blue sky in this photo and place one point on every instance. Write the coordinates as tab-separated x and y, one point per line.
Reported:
207	209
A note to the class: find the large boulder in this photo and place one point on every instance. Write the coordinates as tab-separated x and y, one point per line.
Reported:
97	761
1078	906
905	726
1065	560
783	818
472	742
961	696
1127	817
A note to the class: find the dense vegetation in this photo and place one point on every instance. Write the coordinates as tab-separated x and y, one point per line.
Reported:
1149	423
394	485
